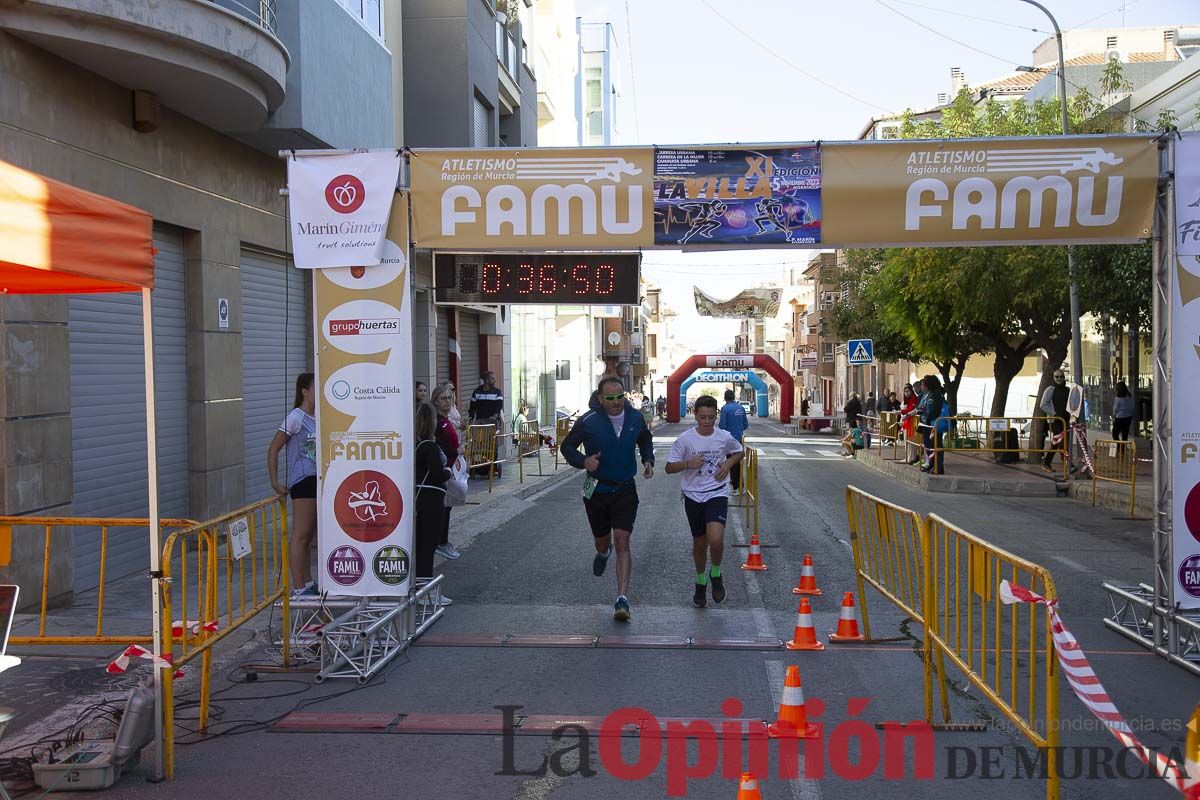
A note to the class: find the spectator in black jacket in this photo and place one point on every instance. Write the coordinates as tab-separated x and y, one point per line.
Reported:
430	473
487	408
853	409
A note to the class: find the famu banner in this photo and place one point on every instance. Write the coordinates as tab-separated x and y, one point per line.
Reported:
533	199
980	192
1185	375
339	206
751	303
365	421
737	196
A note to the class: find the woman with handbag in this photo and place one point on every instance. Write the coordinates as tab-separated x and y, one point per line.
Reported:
429	468
447	439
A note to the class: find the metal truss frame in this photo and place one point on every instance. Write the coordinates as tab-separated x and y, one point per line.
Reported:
1148	614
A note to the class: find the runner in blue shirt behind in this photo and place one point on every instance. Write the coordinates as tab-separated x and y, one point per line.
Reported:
735	422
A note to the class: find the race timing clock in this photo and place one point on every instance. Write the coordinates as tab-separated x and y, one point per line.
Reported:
557	279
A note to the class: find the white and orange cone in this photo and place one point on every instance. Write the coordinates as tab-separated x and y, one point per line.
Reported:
805	635
754	560
748	787
847	629
793	720
808	579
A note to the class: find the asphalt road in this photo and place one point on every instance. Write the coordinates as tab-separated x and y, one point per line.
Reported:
527	570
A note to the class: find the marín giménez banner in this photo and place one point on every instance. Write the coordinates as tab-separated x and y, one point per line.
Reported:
751	303
365	421
339	207
737	196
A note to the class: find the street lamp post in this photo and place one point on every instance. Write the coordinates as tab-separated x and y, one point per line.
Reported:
1076	333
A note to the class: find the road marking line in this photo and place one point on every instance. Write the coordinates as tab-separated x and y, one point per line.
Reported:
830	453
1075	565
797	453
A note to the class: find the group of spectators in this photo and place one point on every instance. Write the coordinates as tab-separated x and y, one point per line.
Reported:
920	406
438	428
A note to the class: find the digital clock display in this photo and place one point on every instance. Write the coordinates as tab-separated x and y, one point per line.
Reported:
559	279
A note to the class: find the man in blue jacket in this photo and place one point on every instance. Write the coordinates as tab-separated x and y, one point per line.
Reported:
735	422
611	433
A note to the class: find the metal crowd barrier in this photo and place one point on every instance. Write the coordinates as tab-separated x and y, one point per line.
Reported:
561	428
480	450
529	443
1007	653
970	434
77	526
1115	461
948	581
212	586
747	495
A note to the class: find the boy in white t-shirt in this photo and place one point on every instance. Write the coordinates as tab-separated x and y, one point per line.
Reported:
705	455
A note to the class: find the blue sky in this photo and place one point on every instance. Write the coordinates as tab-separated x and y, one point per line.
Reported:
693	77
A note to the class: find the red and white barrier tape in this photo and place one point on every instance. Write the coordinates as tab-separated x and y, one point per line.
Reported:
121	663
194	627
1087	688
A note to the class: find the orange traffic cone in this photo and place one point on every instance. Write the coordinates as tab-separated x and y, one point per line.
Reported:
754	559
808	579
805	636
793	722
748	787
847	629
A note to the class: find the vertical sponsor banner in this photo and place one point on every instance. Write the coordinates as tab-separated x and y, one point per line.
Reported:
953	192
363	319
1185	374
737	196
340	206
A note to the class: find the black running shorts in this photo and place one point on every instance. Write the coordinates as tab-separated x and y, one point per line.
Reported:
609	511
714	509
305	488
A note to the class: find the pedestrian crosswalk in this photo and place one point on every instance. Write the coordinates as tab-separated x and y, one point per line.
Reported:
774	453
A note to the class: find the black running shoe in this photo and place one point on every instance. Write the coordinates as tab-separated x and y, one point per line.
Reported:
700	597
621	610
599	563
718	585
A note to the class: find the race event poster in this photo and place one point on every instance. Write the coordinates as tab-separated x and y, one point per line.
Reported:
737	196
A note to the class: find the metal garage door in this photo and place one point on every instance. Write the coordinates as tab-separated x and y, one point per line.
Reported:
275	348
468	347
108	412
443	345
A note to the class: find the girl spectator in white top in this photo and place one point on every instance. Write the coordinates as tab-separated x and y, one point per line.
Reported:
297	436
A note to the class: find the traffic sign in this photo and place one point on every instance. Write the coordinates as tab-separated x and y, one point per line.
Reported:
861	351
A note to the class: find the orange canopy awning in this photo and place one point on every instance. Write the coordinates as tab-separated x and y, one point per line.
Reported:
57	239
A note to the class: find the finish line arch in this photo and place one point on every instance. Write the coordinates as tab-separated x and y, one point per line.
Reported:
727	376
787	384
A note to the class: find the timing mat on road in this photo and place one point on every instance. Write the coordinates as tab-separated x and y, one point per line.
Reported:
588	641
493	723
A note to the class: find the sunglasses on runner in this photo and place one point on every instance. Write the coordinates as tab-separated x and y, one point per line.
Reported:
611	397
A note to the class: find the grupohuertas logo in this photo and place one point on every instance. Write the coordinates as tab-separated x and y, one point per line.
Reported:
345	194
1000	181
563	183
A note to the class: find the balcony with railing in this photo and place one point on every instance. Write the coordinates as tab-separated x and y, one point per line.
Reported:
216	61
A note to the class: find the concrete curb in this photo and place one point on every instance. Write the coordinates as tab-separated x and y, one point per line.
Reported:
1114	498
466	513
952	484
